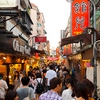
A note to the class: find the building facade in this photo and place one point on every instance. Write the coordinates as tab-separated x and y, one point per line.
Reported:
15	30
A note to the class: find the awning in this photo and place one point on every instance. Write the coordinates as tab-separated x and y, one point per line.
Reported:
33	50
85	37
73	39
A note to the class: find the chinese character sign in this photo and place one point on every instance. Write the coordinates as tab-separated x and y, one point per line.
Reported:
80	16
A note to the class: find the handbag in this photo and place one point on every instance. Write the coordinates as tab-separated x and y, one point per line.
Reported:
28	97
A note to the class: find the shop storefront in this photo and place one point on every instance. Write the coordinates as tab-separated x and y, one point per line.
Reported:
86	47
81	62
87	62
14	55
75	63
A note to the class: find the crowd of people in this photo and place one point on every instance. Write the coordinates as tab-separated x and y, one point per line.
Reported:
52	82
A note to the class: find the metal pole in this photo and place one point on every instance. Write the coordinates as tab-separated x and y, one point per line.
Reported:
94	7
94	51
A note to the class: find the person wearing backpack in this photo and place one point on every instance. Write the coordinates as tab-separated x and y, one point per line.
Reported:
39	88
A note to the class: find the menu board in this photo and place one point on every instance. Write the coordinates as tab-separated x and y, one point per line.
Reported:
89	73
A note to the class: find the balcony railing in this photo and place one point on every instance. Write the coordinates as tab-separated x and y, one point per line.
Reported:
26	21
2	25
25	4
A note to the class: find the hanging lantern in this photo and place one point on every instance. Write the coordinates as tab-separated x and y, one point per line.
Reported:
36	55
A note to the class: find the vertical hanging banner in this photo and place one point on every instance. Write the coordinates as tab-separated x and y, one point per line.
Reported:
67	49
80	16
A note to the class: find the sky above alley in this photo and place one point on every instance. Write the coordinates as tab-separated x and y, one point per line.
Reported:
56	14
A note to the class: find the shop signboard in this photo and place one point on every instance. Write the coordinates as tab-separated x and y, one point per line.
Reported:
41	39
80	16
24	49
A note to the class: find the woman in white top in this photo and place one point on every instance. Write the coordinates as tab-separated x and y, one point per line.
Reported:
67	93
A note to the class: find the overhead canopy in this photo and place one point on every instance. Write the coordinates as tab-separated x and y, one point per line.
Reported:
73	39
33	50
85	37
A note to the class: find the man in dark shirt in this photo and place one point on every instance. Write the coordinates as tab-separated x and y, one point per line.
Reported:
30	71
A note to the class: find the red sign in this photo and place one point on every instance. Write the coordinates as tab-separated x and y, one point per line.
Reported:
40	39
67	50
80	16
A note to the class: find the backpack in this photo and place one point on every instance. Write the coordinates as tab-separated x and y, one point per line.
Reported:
39	88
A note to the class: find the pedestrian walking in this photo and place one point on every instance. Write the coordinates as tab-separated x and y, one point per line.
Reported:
50	74
55	88
25	90
90	87
38	80
16	80
44	79
3	87
67	93
80	91
11	95
30	71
